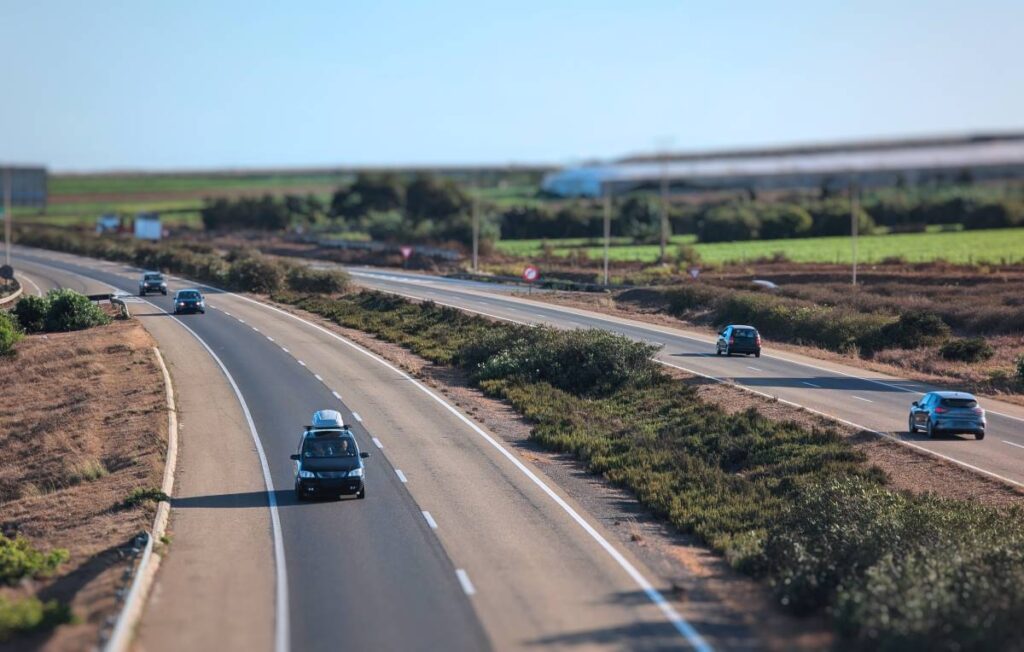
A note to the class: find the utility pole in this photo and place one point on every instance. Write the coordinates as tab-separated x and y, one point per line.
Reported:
664	204
7	216
854	203
476	228
606	191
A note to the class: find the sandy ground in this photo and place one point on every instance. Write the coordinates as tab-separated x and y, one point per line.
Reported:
82	423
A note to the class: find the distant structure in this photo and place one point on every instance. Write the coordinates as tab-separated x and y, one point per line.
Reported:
827	167
27	183
147	226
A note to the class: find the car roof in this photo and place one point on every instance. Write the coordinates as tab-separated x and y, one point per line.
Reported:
741	326
187	290
955	395
152	273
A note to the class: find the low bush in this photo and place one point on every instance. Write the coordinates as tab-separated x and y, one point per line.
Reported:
18	560
256	275
30	615
970	349
10	334
141	496
31	313
912	330
1020	369
322	281
70	311
797	507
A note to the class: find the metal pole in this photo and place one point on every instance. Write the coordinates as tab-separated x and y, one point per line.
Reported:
664	205
607	228
854	226
7	216
476	231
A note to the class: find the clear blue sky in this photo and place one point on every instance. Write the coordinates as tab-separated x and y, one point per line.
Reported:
197	84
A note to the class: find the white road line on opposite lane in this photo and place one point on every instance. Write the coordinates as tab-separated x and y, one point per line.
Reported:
861	398
355	415
317	376
270	338
430	520
285	350
401	476
754	368
376	442
467	586
1012	444
336	395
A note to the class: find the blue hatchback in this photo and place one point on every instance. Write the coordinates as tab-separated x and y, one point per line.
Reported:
947	412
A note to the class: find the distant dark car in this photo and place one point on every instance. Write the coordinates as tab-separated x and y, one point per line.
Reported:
189	301
947	412
737	338
152	282
329	462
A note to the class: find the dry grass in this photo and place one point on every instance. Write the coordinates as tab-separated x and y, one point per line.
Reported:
82	424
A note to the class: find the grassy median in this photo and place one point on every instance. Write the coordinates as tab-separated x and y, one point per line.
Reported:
799	508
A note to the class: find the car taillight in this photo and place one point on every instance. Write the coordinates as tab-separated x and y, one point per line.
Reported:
758	338
732	340
978	411
940	410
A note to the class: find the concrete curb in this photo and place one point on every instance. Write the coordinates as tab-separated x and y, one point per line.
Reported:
12	297
145	573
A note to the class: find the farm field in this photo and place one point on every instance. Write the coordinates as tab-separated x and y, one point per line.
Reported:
995	246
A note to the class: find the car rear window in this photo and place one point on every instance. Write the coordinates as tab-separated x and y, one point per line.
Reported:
959	403
188	295
744	333
154	277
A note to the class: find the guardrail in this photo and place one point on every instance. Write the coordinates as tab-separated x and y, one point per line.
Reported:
115	300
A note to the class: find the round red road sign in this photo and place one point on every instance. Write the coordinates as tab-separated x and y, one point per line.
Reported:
531	274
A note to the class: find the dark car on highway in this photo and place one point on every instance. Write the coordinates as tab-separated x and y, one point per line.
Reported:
189	301
152	282
947	412
329	463
737	338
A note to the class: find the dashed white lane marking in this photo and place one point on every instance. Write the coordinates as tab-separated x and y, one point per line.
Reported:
227	313
285	350
256	329
861	398
810	384
317	376
430	520
301	363
467	586
1012	444
336	395
754	368
270	338
376	442
401	476
240	320
355	415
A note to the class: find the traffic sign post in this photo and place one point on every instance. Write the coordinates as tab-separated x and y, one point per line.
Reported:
406	253
530	275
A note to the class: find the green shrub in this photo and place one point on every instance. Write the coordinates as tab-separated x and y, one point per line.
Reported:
832	217
1020	369
30	615
321	281
257	274
729	223
785	221
31	313
995	215
10	334
141	496
71	311
912	330
971	349
18	560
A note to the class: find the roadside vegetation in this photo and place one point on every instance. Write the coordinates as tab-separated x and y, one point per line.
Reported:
62	488
799	508
245	270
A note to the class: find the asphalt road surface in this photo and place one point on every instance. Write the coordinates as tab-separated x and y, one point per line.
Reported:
461	543
865	399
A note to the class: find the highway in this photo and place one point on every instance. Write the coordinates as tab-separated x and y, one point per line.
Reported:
861	398
461	543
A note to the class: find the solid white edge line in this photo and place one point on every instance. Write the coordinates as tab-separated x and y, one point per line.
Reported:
749	367
851	424
355	415
674	617
467	586
377	443
1012	444
401	476
861	398
39	290
810	384
430	520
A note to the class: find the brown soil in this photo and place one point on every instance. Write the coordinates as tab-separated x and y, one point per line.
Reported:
82	423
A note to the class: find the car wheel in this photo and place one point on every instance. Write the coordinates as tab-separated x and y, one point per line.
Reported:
930	429
141	293
202	312
164	292
979	435
718	350
361	494
299	496
757	354
911	428
728	353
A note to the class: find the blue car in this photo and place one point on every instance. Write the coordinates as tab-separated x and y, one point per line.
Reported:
947	412
189	301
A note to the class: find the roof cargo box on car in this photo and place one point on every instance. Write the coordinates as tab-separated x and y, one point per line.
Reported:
327	419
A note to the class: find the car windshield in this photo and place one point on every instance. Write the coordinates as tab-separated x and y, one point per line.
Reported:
743	333
325	447
154	277
188	295
959	402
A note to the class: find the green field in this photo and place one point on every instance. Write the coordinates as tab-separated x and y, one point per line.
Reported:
996	246
131	184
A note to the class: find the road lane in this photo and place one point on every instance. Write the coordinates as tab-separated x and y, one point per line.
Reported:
534	575
826	387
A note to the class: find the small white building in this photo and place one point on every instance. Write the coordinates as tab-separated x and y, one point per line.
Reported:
147	226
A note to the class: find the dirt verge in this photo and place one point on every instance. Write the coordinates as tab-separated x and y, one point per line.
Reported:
82	424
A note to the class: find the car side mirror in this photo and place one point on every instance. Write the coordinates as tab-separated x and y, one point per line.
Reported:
295	456
364	455
915	404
